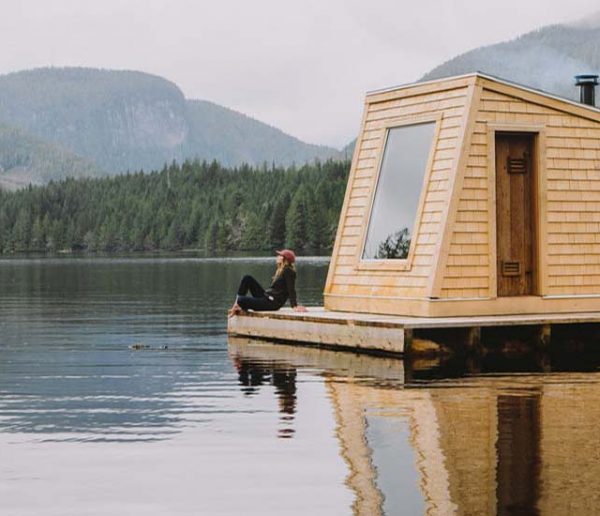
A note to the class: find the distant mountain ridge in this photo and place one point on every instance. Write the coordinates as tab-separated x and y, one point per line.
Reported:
546	59
113	121
247	140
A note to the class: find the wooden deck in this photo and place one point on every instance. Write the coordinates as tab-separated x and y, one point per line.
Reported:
388	334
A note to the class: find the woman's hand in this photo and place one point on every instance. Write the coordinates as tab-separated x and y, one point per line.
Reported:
300	308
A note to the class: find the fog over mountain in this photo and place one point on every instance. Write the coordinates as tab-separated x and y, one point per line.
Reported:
546	59
105	121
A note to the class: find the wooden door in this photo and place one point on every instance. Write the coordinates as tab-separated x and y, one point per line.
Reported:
515	214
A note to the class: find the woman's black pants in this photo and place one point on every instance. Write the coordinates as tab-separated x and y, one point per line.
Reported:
258	301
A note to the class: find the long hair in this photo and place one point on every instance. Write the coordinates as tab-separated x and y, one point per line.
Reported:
281	266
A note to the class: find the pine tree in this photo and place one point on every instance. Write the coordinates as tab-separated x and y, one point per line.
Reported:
223	233
317	224
172	238
22	230
210	243
277	227
296	222
89	241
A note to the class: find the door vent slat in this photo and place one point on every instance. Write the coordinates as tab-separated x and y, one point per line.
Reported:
516	165
511	268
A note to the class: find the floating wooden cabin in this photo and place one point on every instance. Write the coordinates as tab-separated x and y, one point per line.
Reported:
472	201
470	196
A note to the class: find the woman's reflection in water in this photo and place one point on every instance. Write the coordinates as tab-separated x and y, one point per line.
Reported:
252	374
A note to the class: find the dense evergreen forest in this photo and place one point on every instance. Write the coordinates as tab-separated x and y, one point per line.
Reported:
196	205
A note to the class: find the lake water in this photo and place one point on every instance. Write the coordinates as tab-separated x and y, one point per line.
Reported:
193	424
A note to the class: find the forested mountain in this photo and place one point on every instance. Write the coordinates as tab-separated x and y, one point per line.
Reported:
124	120
119	120
25	159
546	59
232	138
197	205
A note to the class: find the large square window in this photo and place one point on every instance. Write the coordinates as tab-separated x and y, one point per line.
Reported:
405	158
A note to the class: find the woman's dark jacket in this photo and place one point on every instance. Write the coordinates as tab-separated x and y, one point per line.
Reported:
284	287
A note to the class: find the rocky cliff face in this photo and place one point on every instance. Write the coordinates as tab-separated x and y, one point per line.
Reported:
119	120
150	124
138	133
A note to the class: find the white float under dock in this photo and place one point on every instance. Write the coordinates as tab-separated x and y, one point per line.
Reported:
397	334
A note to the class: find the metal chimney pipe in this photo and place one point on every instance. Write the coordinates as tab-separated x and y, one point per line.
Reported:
587	88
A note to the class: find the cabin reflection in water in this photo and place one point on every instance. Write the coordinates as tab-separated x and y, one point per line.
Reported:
519	444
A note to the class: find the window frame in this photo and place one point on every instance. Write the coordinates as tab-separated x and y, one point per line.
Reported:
398	264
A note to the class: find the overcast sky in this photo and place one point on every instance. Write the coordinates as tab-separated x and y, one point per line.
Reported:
302	66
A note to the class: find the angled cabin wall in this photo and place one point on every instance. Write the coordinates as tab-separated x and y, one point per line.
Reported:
354	285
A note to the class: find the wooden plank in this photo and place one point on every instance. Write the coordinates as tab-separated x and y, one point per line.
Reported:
442	165
571	141
358	319
320	332
359	192
459	283
513	306
449	133
541	213
454	187
541	99
362	183
365	163
352	220
492	208
414	279
402	116
364	173
422	88
389	292
367	153
423	107
351	231
358	202
464	269
439	101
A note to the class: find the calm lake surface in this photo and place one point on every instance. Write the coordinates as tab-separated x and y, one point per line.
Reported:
193	424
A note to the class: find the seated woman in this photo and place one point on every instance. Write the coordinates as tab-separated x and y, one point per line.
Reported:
283	287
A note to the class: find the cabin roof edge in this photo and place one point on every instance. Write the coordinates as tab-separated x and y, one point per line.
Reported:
487	78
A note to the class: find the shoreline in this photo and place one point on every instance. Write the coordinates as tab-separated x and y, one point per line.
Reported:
182	254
